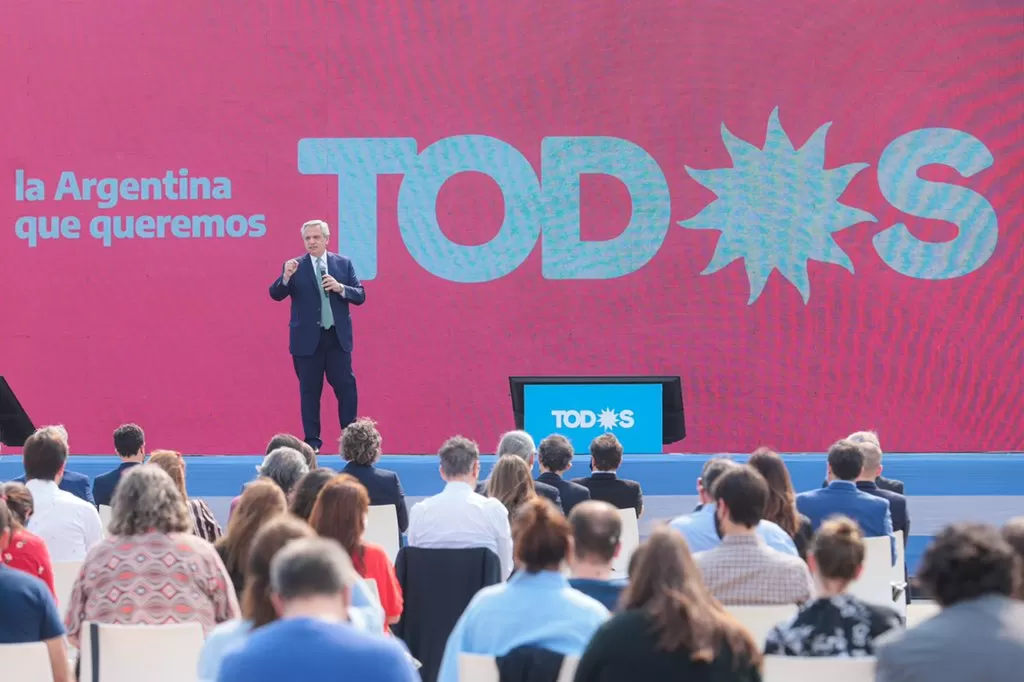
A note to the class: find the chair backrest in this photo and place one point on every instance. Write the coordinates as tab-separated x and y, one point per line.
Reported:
875	582
65	573
629	540
372	584
128	653
918	612
759	620
105	513
382	529
568	671
25	662
480	668
797	669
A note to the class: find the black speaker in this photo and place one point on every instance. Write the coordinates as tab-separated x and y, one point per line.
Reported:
15	426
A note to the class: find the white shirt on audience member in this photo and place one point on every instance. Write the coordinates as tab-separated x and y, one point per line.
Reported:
69	526
457	518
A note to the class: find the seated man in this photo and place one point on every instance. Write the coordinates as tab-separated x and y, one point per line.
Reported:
361	449
457	517
700	528
841	497
520	444
743	570
130	445
596	529
603	483
555	459
71	482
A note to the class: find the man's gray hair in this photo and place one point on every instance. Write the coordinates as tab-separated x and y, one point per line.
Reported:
55	431
284	466
872	455
325	229
147	499
311	567
518	443
865	437
457	455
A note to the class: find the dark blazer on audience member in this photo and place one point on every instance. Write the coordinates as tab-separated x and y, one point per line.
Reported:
103	486
383	487
73	482
897	506
543	489
606	486
571	493
890	484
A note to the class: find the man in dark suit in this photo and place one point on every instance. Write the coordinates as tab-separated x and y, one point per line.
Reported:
555	455
322	286
868	483
520	444
603	483
130	445
361	448
72	482
890	484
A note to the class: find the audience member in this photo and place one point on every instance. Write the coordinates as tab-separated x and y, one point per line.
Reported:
257	607
28	612
1013	533
150	570
71	481
130	446
510	483
596	530
340	514
457	517
311	584
284	466
24	551
743	570
867	482
361	449
536	607
700	529
68	525
836	623
204	523
555	455
287	440
670	627
305	492
262	500
979	632
283	440
841	497
520	444
603	482
892	485
781	509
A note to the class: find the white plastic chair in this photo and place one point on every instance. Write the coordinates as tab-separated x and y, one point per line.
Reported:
105	514
25	662
65	573
480	668
154	653
759	620
876	579
382	529
797	669
630	540
918	612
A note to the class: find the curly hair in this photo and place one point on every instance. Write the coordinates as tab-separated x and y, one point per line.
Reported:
361	442
966	561
146	499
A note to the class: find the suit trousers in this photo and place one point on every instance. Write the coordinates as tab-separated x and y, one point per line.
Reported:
335	363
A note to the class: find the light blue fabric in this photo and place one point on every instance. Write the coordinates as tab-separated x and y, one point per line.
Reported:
539	609
699	530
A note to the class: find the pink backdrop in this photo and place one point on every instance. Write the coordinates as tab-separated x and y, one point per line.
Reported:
181	336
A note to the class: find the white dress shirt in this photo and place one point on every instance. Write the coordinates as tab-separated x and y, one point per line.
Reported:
458	518
69	526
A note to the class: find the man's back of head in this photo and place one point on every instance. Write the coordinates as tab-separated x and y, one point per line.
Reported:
605	452
966	561
741	495
129	441
460	459
596	531
555	453
312	577
711	471
872	467
859	437
518	443
44	455
845	461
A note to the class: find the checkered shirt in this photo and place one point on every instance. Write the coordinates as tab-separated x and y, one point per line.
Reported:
744	571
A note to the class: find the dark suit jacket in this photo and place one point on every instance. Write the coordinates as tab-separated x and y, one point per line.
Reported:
304	289
543	489
73	482
104	485
571	493
606	486
384	488
897	506
890	484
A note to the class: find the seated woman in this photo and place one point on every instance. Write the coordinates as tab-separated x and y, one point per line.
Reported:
670	627
781	509
536	607
150	570
25	551
361	448
204	523
300	502
340	513
510	483
836	623
262	500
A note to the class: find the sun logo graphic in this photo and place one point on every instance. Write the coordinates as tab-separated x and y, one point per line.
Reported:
607	419
777	207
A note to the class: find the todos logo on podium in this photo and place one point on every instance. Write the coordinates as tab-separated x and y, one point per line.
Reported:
582	412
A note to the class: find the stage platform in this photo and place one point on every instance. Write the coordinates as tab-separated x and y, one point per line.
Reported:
942	488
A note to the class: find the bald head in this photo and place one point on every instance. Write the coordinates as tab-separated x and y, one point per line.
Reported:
596	529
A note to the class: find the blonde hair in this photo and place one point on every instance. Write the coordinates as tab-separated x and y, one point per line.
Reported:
174	464
510	483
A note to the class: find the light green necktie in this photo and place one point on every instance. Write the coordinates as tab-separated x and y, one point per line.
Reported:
326	314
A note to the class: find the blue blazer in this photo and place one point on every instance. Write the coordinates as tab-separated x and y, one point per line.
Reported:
73	482
383	487
304	289
842	497
103	486
571	493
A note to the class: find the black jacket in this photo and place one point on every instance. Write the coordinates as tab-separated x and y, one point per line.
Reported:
383	487
572	493
620	493
543	489
529	664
